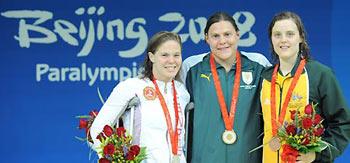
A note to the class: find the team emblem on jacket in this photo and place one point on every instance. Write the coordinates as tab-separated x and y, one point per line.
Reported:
297	101
149	93
247	77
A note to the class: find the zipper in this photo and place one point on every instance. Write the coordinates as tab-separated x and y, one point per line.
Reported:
280	107
279	111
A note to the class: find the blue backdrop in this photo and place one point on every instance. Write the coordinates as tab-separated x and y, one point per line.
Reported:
55	54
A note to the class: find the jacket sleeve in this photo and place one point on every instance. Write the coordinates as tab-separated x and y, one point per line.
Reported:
337	117
112	109
189	85
184	100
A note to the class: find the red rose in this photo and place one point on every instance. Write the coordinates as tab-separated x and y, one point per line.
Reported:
292	114
136	149
291	130
100	136
108	149
308	109
307	123
83	124
93	113
103	160
108	130
317	119
130	155
319	131
289	154
306	140
121	131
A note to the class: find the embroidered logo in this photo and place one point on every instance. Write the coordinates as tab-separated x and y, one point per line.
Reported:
267	101
296	101
247	77
296	97
149	93
206	76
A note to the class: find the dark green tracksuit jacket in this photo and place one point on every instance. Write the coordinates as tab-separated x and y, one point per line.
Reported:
208	124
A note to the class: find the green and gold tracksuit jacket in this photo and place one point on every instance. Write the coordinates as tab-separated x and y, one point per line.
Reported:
317	84
208	124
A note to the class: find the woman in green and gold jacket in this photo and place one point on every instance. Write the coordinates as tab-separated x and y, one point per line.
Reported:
315	83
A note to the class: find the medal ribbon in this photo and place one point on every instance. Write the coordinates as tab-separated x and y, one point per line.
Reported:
174	137
228	119
287	98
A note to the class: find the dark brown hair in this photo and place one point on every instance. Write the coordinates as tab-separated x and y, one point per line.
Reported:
217	17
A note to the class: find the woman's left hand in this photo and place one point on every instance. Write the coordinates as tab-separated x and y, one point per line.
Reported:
306	158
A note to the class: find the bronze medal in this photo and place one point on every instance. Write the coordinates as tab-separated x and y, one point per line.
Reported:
275	143
229	137
176	159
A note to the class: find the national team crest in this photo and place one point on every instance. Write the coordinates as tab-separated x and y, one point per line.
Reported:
297	101
149	93
247	77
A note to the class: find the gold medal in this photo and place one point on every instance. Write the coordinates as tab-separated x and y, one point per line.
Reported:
229	136
176	159
275	144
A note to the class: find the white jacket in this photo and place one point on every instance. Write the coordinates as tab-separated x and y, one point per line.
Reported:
150	123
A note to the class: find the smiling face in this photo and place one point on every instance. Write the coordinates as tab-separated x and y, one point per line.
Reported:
285	39
222	39
166	60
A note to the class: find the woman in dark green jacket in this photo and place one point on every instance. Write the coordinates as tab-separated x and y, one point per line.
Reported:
224	87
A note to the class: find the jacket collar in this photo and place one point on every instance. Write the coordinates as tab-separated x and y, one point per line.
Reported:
244	60
267	74
297	63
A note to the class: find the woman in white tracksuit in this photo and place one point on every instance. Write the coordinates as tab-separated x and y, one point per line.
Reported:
160	95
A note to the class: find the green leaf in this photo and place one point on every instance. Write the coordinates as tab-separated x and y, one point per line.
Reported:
256	148
81	139
324	145
82	116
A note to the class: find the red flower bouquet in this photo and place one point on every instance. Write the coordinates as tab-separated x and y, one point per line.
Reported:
85	122
302	134
115	144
